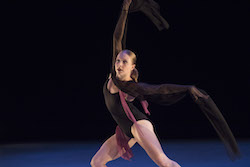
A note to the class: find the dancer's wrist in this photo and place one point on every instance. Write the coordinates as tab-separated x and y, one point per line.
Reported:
126	4
124	8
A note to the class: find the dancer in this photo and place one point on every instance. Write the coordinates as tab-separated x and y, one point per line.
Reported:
121	89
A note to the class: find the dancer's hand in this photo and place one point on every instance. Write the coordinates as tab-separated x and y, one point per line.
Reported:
196	93
126	4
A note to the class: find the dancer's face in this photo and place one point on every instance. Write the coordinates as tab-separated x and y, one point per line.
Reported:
123	66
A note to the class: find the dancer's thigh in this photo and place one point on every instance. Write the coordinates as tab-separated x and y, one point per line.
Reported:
149	138
109	151
149	142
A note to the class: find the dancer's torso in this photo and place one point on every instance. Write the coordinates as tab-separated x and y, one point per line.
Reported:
114	106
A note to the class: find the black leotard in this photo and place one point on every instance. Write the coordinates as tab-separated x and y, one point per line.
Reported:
114	106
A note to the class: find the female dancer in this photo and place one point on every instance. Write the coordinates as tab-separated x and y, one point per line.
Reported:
133	125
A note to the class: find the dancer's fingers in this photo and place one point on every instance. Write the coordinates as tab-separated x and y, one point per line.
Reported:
202	95
198	93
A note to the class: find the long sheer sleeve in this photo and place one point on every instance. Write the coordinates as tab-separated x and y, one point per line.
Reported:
150	8
118	35
167	94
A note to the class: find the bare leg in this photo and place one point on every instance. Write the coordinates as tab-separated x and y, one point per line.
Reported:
150	143
108	152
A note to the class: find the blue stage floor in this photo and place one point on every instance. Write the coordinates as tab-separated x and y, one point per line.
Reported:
188	153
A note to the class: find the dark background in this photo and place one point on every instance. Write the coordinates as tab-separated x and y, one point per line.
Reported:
57	55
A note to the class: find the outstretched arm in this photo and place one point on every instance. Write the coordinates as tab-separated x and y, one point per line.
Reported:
119	30
197	93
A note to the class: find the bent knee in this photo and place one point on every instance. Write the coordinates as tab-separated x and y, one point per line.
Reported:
95	162
163	161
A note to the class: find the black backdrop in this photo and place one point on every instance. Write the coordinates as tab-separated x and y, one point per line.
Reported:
57	55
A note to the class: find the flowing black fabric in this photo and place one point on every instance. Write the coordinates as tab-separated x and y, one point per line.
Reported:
152	10
167	94
215	117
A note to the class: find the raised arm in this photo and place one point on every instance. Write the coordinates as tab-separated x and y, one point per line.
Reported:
119	30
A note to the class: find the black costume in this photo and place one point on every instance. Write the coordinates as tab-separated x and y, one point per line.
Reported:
164	94
114	105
